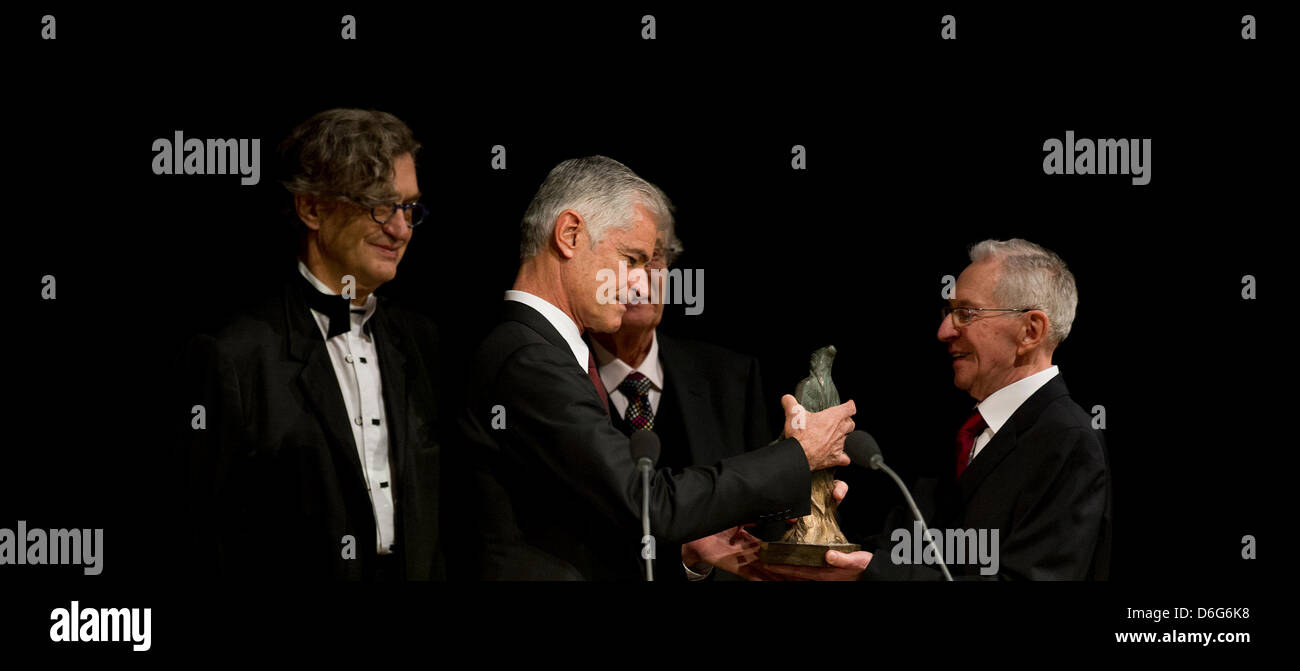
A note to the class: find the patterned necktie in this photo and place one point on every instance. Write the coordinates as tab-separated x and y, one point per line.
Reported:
595	379
971	430
636	387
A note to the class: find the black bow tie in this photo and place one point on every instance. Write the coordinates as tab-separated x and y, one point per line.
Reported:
334	306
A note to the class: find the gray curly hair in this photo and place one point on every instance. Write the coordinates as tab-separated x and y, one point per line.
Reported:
346	155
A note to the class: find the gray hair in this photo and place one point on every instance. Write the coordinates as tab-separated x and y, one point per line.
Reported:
603	191
1032	277
346	155
673	246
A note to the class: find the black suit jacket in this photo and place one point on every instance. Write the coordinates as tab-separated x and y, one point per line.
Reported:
713	405
275	479
719	394
1043	482
558	496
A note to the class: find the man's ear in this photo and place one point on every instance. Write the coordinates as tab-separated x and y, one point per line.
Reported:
309	210
568	229
1034	333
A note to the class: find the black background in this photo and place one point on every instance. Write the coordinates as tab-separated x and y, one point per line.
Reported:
916	149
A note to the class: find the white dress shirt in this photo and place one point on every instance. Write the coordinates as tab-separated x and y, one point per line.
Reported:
560	321
356	365
1001	404
613	370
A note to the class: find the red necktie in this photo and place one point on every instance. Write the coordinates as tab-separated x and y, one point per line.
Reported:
971	430
595	379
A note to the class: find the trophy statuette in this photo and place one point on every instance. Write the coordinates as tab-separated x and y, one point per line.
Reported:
806	543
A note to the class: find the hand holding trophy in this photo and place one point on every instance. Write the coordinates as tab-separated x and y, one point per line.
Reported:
806	543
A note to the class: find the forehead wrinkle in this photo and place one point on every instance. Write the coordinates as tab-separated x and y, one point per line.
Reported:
638	253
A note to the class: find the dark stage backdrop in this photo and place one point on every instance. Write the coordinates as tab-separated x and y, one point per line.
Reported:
916	148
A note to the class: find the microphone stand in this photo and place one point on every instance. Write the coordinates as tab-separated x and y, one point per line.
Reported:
878	462
647	551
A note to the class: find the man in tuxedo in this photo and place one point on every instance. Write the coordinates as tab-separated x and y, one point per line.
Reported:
559	496
319	457
1027	461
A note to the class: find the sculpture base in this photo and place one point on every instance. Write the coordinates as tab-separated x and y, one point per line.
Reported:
801	554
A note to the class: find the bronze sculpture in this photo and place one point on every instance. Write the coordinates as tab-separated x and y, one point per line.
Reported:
806	543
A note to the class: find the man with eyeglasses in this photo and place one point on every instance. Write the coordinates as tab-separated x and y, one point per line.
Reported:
1027	460
319	458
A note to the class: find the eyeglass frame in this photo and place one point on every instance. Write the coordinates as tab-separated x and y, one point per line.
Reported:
406	209
948	310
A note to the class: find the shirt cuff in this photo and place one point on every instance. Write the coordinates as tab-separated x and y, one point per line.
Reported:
696	577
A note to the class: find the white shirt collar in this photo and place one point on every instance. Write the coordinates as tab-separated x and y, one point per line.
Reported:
1001	404
613	369
324	321
562	323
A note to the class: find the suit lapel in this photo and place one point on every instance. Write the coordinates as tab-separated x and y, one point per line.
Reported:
320	385
1005	440
392	374
1002	444
515	311
691	391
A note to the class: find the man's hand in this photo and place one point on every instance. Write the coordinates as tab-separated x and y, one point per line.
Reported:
840	491
734	550
842	567
820	434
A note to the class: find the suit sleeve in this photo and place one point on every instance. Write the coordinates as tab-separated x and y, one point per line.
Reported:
927	492
213	455
758	427
758	433
557	422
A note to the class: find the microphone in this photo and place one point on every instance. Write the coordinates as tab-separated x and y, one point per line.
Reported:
645	449
645	452
864	451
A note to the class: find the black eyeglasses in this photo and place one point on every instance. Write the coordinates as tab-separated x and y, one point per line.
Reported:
415	213
963	316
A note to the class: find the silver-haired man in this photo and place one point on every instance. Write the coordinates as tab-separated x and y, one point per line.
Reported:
1030	472
560	496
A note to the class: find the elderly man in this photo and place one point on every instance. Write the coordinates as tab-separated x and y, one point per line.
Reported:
318	458
705	402
560	496
1028	463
